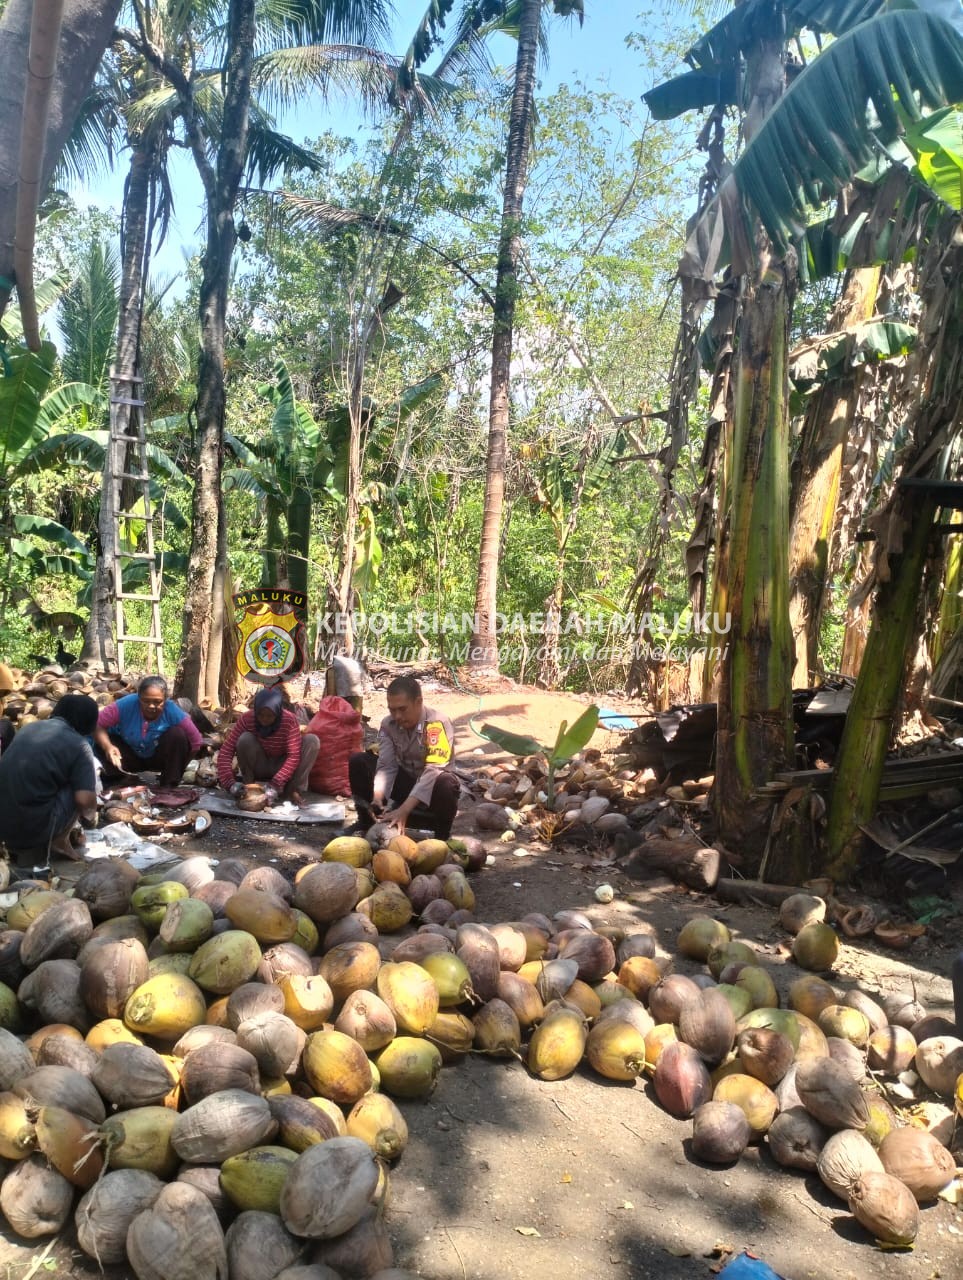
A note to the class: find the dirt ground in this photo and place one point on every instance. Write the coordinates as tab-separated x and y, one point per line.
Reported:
506	1176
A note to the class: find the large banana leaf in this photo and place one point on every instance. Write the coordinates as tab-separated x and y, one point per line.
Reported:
73	395
48	291
87	449
20	398
937	146
693	90
823	131
569	740
243	480
51	531
743	26
715	57
518	744
368	553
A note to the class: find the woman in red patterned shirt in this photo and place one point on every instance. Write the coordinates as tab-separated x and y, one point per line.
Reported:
269	747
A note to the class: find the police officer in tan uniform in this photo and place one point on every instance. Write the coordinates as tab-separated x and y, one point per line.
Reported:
412	766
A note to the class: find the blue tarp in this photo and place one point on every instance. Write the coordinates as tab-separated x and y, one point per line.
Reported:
610	719
746	1267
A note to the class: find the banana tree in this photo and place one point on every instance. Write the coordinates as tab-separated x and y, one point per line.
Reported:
304	462
801	147
284	470
569	741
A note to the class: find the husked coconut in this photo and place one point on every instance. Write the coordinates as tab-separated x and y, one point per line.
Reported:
178	1238
106	1211
329	1188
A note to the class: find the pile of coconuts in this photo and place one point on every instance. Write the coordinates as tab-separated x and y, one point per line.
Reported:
207	1069
835	1083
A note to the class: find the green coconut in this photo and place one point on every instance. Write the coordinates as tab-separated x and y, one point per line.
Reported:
186	924
226	961
255	1178
816	947
699	936
730	953
409	1067
165	1007
783	1020
149	902
353	850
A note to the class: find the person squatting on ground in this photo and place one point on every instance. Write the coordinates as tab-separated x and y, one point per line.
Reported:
269	747
48	781
146	731
413	765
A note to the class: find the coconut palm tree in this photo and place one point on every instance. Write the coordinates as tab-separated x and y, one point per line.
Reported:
527	14
75	46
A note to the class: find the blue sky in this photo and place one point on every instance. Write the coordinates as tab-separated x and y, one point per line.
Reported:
596	54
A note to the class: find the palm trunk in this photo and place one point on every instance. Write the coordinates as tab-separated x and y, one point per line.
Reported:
99	647
84	35
483	654
817	478
221	188
42	60
191	681
869	722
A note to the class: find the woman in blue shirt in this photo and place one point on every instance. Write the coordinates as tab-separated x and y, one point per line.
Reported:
146	731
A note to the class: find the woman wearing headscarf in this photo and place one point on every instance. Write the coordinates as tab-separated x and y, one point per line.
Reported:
269	747
48	780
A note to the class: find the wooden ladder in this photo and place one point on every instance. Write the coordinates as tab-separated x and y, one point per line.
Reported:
127	460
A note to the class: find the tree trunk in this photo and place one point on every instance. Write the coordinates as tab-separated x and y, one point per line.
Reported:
869	722
483	654
856	627
84	35
755	696
755	731
99	641
299	537
221	186
275	561
220	592
549	667
817	476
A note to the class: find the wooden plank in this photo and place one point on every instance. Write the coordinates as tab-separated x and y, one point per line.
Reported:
748	892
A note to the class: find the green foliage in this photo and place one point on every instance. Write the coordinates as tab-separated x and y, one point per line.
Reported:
568	742
848	99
